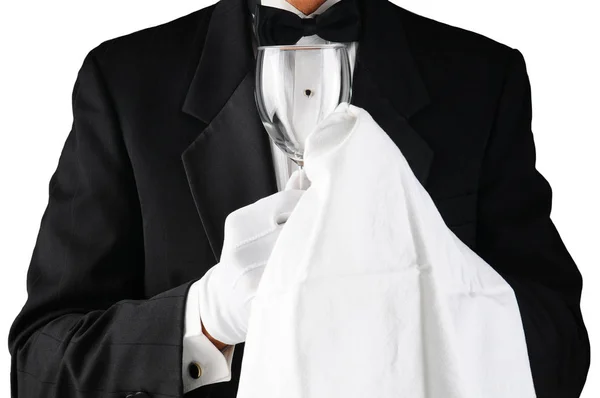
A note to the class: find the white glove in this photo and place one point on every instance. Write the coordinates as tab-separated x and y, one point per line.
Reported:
227	289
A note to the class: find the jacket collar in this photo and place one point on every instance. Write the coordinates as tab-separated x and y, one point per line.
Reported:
229	164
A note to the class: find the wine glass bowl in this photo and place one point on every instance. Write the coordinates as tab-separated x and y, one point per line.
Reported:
297	86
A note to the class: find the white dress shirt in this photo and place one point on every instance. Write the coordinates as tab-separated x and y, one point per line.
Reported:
284	166
213	365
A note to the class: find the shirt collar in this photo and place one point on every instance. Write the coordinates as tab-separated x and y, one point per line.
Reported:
284	5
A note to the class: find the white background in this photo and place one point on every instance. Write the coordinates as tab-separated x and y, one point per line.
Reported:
43	43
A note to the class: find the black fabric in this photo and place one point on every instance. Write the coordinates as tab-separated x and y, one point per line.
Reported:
166	141
252	5
339	23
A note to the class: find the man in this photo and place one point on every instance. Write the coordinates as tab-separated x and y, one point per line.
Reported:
128	296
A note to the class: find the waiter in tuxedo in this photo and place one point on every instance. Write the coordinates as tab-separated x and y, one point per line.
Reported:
130	289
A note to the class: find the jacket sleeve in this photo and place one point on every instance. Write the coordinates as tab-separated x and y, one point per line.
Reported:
517	238
87	329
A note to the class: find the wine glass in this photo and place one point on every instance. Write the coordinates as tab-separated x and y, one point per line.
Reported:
297	86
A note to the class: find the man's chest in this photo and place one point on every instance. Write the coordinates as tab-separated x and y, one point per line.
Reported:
176	233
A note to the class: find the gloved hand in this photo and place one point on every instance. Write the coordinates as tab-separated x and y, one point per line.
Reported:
227	289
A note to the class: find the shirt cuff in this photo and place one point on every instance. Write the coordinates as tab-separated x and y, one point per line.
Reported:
203	363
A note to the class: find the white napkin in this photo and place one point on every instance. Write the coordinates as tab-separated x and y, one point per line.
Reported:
369	294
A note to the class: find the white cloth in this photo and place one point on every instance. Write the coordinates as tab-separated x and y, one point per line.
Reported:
197	348
368	294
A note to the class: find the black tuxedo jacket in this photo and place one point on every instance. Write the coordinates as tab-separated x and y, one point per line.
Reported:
166	142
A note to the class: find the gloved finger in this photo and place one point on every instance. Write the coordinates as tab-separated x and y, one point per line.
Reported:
260	218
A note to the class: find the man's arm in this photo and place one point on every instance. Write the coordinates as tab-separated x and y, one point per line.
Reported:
87	330
517	238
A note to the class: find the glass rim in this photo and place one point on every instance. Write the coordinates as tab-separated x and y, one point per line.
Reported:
302	47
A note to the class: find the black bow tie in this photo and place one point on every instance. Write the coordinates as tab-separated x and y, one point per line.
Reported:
339	23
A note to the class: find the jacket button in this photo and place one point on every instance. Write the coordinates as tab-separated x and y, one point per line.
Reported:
139	394
195	370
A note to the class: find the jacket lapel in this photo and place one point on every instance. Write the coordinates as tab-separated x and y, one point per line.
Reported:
229	164
388	84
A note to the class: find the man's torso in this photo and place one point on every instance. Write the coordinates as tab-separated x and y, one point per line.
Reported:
194	159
